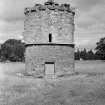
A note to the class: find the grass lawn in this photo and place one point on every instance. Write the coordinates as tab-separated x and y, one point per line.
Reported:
86	88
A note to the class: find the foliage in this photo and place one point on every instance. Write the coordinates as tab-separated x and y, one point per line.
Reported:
90	55
77	55
85	55
12	50
100	49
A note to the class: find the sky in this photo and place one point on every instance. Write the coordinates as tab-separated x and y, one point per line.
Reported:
89	20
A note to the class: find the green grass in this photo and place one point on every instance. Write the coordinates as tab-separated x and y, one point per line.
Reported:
86	88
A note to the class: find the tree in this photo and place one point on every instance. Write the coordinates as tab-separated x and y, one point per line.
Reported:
83	54
13	50
100	49
77	55
90	55
97	56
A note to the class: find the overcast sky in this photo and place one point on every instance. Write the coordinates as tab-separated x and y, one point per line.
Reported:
89	20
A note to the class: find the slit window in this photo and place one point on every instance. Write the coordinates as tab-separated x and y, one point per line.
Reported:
50	37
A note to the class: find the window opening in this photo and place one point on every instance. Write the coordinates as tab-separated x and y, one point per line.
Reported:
50	37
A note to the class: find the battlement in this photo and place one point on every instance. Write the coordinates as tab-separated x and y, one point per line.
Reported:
49	5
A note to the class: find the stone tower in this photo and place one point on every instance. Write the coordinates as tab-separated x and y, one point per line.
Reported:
49	35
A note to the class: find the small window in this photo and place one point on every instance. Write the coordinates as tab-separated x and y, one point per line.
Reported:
50	37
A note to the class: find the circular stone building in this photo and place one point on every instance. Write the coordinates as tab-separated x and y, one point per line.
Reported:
49	35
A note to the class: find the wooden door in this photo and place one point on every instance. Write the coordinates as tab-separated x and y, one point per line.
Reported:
49	68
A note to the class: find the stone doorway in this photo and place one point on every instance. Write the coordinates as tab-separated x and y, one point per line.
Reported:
49	68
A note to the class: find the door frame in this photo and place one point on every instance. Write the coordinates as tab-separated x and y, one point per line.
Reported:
49	63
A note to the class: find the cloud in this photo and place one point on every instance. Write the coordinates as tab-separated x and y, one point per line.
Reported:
89	21
95	16
90	25
86	5
12	10
10	30
82	42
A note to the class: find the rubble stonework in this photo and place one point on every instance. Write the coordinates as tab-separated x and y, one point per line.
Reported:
40	21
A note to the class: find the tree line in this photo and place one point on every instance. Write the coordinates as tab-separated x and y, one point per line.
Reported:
99	53
13	50
87	55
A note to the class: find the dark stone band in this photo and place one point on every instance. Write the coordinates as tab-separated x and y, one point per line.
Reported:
50	44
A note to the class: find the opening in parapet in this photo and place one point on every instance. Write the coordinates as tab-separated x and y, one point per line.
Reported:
50	37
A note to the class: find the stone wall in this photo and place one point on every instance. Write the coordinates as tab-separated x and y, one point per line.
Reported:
51	17
40	21
61	55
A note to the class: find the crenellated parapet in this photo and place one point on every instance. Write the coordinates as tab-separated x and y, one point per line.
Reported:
49	5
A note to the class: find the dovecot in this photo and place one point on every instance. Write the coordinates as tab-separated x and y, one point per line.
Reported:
49	37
